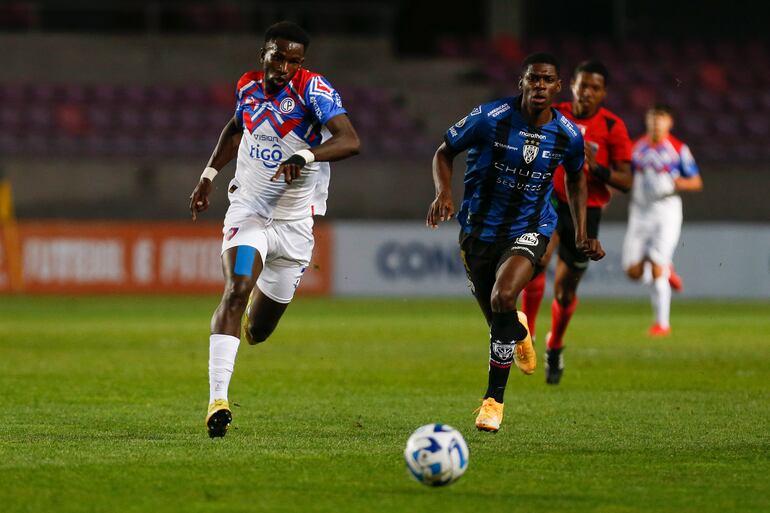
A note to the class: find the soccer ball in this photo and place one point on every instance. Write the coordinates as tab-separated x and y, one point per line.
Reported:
436	455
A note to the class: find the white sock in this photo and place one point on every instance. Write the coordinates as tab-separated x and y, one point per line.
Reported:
661	300
647	273
222	351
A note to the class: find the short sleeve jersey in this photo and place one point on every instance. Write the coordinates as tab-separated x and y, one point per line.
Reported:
652	162
608	136
275	126
510	169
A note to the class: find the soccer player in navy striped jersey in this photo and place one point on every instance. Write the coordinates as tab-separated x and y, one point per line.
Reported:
506	218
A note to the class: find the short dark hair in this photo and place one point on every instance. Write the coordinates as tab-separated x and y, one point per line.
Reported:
289	31
540	58
593	66
661	108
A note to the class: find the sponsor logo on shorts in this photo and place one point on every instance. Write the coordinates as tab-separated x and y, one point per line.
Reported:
528	239
287	105
231	232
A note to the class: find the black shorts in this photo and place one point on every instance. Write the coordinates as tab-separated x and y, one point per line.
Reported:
568	252
483	259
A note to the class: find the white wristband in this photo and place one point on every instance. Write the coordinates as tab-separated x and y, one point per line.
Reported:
307	155
209	173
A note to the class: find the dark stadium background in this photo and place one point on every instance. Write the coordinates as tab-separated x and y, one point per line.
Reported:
94	95
109	111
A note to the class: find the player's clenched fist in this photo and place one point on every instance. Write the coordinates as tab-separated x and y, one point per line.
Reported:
591	248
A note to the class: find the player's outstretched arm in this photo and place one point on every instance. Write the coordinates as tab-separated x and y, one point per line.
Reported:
343	143
224	151
577	193
442	208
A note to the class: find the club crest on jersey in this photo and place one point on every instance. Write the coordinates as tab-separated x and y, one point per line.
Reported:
530	152
460	123
231	232
287	105
528	239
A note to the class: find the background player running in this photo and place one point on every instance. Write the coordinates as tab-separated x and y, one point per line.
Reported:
663	166
608	152
514	146
282	111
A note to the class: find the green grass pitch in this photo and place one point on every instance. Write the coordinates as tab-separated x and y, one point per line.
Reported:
104	399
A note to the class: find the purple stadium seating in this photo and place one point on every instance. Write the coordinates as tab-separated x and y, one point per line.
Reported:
165	120
693	76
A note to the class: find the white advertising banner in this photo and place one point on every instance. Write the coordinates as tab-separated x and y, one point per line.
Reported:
408	259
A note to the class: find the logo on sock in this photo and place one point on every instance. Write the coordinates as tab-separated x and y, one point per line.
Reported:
503	351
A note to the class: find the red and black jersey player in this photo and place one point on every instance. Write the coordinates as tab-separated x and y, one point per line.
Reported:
607	164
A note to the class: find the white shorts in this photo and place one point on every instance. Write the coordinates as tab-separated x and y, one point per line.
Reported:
653	232
284	246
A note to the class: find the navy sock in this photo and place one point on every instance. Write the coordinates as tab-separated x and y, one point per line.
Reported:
505	331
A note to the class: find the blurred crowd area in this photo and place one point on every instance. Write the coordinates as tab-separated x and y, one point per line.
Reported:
121	105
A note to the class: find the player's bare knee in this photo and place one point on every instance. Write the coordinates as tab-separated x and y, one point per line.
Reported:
504	300
236	296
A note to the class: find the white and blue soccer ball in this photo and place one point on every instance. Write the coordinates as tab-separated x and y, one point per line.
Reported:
436	455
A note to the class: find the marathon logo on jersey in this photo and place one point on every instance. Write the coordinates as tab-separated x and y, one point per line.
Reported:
461	123
499	110
539	137
531	150
569	126
287	105
453	132
231	232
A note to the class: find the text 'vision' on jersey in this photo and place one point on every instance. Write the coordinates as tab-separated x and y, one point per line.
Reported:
510	169
275	126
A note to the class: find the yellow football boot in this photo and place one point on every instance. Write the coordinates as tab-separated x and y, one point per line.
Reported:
490	415
245	319
218	418
524	351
